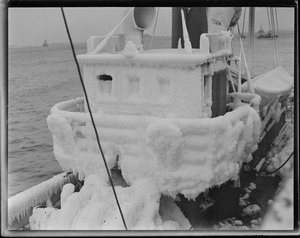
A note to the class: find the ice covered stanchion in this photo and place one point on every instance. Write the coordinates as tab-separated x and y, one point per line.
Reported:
152	108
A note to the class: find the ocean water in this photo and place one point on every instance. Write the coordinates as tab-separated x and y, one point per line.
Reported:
40	77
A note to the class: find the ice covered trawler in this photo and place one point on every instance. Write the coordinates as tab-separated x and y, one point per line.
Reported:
153	111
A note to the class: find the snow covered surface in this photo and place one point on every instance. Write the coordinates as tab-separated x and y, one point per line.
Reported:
181	155
94	208
281	213
20	204
279	210
277	156
280	216
275	83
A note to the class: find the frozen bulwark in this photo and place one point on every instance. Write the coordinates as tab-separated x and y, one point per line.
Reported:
184	156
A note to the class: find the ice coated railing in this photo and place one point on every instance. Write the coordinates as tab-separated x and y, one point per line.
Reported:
156	147
20	206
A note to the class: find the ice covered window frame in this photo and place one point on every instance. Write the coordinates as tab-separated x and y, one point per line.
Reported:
104	87
133	81
207	90
104	84
206	94
164	89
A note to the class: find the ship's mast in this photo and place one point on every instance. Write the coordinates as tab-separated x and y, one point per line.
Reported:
251	38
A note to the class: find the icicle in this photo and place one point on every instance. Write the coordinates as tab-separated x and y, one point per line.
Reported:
231	80
179	43
260	164
20	204
240	72
237	100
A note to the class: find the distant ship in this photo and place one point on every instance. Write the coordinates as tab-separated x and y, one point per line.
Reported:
262	34
45	44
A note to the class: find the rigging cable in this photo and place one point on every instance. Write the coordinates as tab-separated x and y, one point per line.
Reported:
269	18
272	27
245	61
276	18
92	119
272	31
154	28
273	35
244	22
277	28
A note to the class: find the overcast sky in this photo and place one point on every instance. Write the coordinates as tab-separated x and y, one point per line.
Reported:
31	26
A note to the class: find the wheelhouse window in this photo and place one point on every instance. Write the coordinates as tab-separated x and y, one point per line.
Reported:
134	85
104	84
164	89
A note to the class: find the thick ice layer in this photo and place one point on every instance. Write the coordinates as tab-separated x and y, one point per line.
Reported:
180	155
166	83
94	208
159	92
20	204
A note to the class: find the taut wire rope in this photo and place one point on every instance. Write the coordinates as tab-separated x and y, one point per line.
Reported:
154	28
92	119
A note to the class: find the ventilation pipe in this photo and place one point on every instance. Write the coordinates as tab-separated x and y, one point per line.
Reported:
141	19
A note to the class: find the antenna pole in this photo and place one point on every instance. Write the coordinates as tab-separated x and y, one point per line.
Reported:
187	42
110	34
251	38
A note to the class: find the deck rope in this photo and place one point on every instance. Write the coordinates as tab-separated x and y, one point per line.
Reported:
92	119
248	74
277	29
268	173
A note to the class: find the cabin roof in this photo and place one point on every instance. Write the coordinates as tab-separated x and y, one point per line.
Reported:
154	57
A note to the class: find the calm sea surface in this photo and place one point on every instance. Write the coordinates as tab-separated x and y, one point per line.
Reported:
40	77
